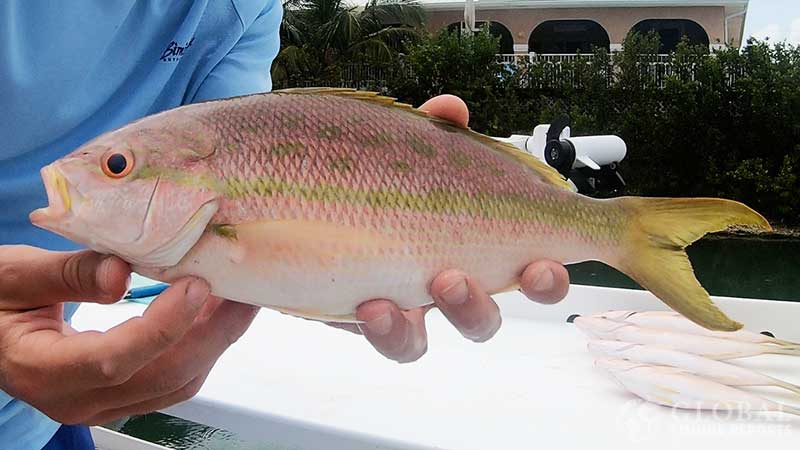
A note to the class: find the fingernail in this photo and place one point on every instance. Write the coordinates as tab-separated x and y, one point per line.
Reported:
543	280
455	294
380	325
104	277
197	292
103	272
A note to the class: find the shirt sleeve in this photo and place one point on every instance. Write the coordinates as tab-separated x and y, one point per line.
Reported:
246	68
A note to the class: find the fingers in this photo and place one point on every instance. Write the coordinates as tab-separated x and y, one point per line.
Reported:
181	394
175	375
401	336
113	357
199	350
545	282
398	335
466	305
201	347
448	107
33	277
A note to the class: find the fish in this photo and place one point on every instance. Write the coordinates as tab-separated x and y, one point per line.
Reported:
719	371
669	320
311	201
709	347
676	388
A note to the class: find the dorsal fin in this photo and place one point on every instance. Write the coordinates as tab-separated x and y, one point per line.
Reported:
369	96
543	170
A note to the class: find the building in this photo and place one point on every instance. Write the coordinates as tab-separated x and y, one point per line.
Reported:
569	26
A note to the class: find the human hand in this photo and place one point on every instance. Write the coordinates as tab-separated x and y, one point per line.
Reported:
401	335
142	365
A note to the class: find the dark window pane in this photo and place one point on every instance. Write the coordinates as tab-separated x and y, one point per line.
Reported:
568	36
672	31
496	29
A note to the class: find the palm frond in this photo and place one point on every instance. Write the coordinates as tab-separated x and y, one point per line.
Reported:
318	34
375	49
395	37
343	28
397	12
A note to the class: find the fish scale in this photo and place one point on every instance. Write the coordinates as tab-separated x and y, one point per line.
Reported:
430	170
352	196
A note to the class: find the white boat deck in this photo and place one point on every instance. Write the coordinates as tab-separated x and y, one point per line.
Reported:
302	385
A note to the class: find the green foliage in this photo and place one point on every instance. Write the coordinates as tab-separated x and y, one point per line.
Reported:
465	66
318	36
778	192
723	125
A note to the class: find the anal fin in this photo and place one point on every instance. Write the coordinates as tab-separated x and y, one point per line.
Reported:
313	315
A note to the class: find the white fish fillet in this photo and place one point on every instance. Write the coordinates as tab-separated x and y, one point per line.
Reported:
669	320
710	347
722	372
672	387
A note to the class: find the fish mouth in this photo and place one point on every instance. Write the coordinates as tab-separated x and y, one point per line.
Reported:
59	197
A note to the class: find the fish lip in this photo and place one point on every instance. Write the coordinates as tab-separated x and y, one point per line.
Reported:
59	197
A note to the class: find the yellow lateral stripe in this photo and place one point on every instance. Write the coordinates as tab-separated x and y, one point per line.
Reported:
489	206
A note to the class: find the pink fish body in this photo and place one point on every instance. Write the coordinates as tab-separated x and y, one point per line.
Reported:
313	201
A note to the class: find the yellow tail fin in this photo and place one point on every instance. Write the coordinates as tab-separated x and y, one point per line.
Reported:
659	231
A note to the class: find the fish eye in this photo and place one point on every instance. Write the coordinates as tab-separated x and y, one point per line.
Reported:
117	164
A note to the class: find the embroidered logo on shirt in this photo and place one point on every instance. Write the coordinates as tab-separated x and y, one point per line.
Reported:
173	52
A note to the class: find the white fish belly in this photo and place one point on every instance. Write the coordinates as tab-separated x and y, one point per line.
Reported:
316	275
310	286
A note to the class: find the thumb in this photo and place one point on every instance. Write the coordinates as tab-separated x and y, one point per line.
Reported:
448	107
33	277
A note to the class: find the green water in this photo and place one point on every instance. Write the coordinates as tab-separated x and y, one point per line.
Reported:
766	268
736	267
179	434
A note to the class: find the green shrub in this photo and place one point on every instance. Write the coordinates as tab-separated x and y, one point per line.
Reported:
466	66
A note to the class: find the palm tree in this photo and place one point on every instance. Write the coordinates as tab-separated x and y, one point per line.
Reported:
318	34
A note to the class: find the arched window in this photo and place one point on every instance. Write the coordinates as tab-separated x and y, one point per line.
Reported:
496	29
672	31
568	36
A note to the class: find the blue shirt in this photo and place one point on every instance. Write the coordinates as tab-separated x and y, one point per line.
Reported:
70	71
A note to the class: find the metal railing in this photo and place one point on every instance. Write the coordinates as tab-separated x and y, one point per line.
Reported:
363	76
553	69
559	57
560	67
518	58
